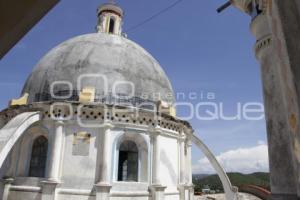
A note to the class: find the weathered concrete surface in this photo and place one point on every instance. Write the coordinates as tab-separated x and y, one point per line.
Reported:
279	139
284	18
98	55
278	52
78	173
13	130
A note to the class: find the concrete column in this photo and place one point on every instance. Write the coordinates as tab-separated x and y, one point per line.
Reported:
7	184
282	171
182	160
186	192
189	178
183	164
157	192
105	173
191	192
156	189
48	190
155	157
182	193
284	20
56	152
49	186
102	191
104	185
186	188
189	169
277	30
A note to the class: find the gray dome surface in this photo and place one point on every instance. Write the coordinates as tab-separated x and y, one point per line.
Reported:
99	55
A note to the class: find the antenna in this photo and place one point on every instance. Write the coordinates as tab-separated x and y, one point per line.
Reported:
224	6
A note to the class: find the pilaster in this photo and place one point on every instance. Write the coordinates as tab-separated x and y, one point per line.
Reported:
188	143
154	133
48	190
56	152
102	191
104	185
7	184
156	189
182	158
186	191
157	192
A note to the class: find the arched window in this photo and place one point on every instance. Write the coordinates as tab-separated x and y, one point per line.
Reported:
111	25
38	157
128	162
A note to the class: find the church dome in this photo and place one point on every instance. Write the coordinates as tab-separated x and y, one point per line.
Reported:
88	60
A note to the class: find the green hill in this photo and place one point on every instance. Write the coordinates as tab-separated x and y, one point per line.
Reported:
237	179
262	176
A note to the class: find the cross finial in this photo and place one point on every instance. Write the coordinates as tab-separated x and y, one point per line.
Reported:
112	1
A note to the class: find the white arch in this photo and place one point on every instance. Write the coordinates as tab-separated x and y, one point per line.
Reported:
13	130
143	148
230	191
26	147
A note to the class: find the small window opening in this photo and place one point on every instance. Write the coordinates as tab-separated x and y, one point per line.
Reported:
111	25
128	162
38	157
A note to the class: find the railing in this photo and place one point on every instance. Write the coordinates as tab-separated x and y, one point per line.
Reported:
256	191
111	99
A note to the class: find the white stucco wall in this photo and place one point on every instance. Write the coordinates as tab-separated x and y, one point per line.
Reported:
19	195
79	173
169	163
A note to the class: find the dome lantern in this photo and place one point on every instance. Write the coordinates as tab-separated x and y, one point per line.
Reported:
110	17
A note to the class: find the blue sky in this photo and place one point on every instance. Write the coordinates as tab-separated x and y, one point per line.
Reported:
200	50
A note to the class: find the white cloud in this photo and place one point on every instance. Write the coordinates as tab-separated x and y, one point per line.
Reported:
261	142
244	160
